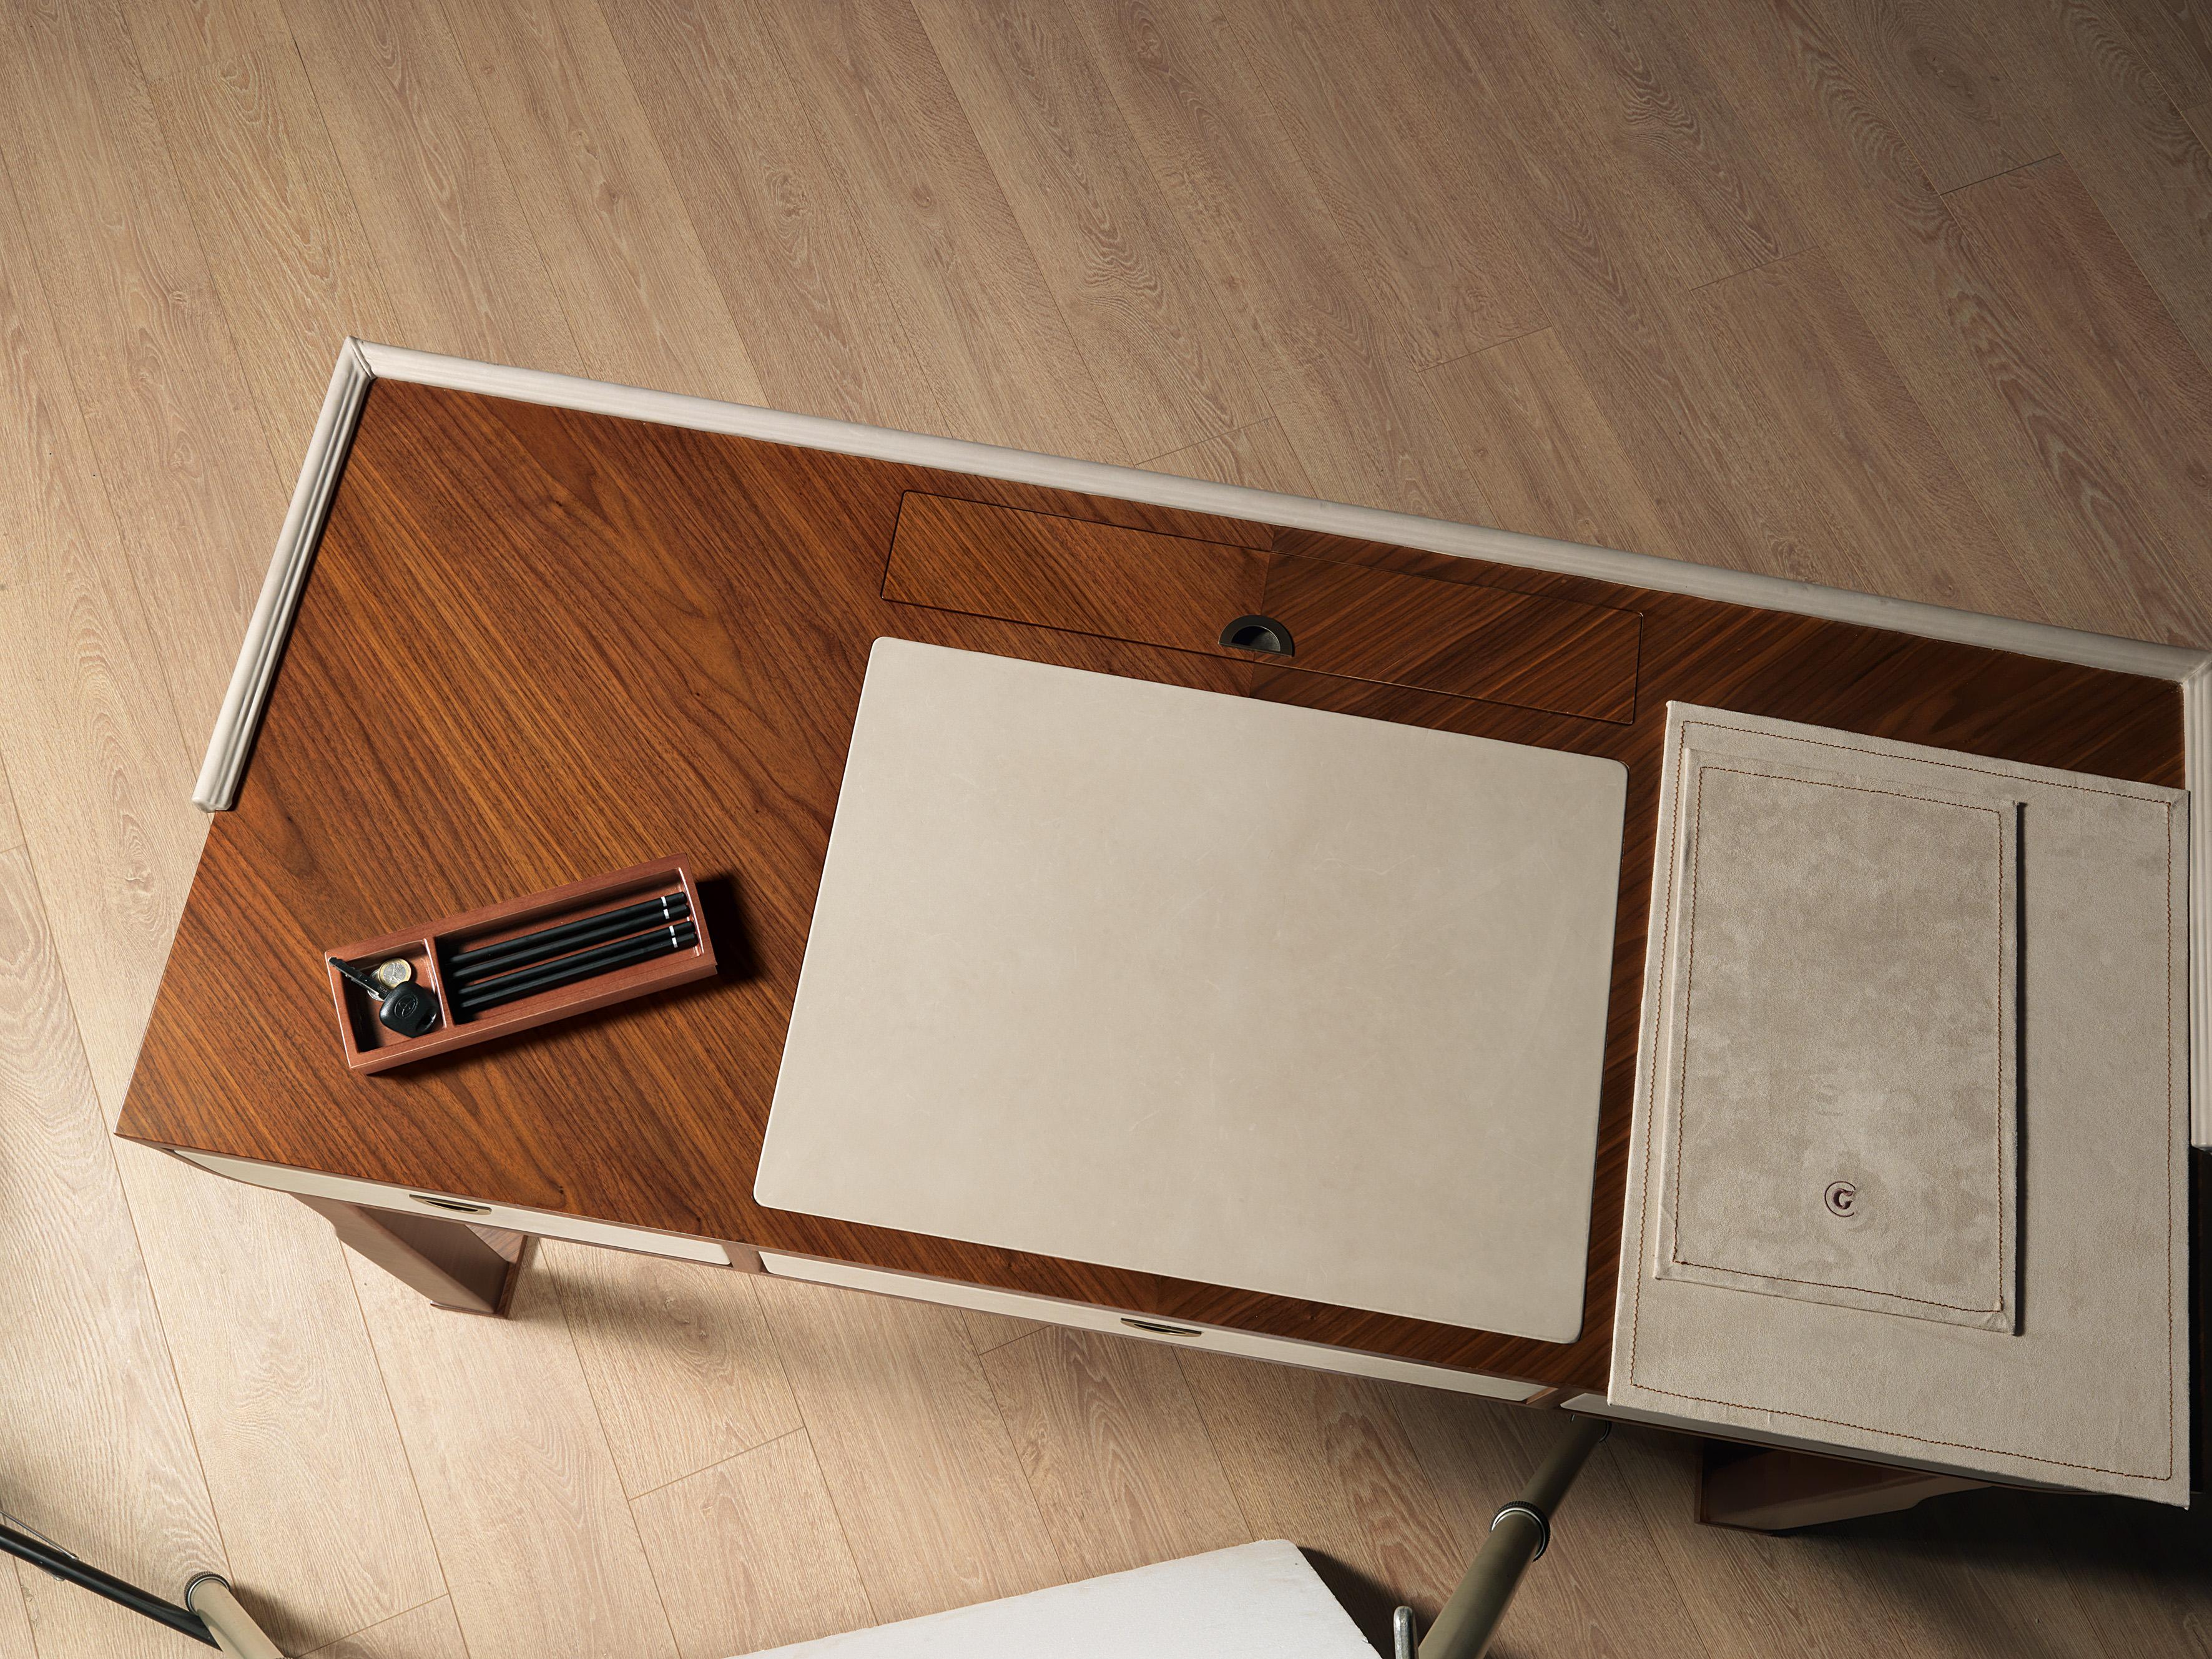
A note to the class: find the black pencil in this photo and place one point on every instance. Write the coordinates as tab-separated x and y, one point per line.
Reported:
587	964
466	967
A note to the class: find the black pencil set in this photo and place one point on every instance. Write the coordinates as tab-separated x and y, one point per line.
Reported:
487	975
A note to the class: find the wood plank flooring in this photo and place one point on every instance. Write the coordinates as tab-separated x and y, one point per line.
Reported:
1908	295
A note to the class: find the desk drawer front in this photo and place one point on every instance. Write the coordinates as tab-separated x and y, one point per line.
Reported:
1071	574
1345	620
1285	1351
1459	638
545	1224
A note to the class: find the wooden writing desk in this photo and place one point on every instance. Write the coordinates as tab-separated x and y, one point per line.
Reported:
539	644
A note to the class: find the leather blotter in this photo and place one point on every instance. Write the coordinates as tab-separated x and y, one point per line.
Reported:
1837	1096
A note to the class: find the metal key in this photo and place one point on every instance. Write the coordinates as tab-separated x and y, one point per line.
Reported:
406	1007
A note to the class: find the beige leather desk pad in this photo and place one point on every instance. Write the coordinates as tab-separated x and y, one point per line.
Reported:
1207	986
2090	1390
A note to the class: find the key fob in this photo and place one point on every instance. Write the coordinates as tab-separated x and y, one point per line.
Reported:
409	1010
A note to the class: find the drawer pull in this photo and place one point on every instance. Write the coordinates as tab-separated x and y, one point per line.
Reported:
1259	633
1154	1326
453	1204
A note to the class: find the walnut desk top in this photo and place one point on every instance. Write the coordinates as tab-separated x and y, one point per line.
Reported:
537	644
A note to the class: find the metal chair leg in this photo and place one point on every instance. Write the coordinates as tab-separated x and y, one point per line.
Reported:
1519	1533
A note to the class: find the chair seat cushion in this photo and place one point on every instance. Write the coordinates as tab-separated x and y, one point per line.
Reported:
1254	1601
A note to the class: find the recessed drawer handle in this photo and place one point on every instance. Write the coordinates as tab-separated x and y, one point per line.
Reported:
1156	1326
453	1204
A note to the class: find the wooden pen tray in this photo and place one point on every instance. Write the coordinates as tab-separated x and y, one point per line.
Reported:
370	1046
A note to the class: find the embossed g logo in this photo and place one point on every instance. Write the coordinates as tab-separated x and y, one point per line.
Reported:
1842	1199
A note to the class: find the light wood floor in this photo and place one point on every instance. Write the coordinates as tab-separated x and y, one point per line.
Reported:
1914	295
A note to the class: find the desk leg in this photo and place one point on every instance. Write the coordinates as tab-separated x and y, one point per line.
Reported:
1776	1491
459	1266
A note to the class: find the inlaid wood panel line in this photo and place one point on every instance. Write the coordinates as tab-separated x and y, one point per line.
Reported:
917	1459
1940	81
101	766
989	1331
2036	162
95	1447
1259	457
429	1631
749	1553
1549	455
2114	120
681	1365
1458	638
1113	1449
516	1480
1070	573
1844	480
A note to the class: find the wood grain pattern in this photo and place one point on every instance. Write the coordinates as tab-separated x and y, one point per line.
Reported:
835	182
1393	180
172	36
1503	646
459	265
621	255
2009	400
2141	158
1678	175
1115	1451
680	1361
1116	262
581	534
429	1631
987	1331
1937	79
1065	573
2175	38
284	245
15	1638
2154	394
286	1403
520	1493
1213	136
94	1447
1603	1584
902	1418
1323	1460
1845	481
1258	457
166	415
94	749
749	1554
1550	460
1352	199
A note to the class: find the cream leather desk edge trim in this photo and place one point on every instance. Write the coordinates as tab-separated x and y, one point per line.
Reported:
458	1207
1596	1404
360	362
1018	1304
